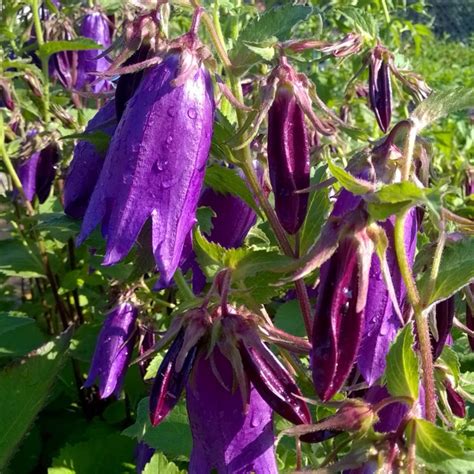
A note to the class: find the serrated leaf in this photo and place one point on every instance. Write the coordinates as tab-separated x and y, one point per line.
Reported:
402	365
105	453
24	388
153	366
57	225
266	53
78	44
226	181
463	465
433	444
451	360
172	436
400	192
349	182
209	254
440	104
255	262
456	270
277	22
159	464
18	335
18	260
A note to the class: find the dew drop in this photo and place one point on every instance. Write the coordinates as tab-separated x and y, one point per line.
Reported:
169	139
171	111
255	420
192	113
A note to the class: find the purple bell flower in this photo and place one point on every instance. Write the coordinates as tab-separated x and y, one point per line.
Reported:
155	166
87	163
224	437
96	27
444	315
114	350
37	173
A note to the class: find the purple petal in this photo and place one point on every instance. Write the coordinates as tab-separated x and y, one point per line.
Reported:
113	350
87	163
224	437
155	166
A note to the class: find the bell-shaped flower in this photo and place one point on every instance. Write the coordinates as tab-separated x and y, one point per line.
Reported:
114	350
226	437
95	26
37	172
87	163
155	165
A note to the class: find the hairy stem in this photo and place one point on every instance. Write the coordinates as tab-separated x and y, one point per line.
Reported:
420	320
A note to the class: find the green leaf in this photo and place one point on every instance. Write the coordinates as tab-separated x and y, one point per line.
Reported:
18	260
440	104
109	453
349	182
463	465
172	436
402	366
433	444
204	217
256	262
79	44
211	256
288	317
318	208
18	335
159	464
400	192
226	181
261	34
24	389
456	270
99	139
451	360
153	366
58	226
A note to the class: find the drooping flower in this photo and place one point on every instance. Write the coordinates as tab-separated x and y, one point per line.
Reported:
380	89
455	401
37	172
95	26
114	350
155	165
225	437
87	163
288	159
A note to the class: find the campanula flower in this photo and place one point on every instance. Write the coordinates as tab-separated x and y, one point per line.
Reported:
114	350
87	163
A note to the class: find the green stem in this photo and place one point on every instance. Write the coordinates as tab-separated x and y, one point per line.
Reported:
11	169
250	175
435	268
44	60
183	286
408	149
420	320
385	11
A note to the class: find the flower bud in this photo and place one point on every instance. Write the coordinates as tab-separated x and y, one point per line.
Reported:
273	381
380	89
37	173
288	159
169	382
143	455
155	165
444	322
63	66
113	350
225	438
455	401
95	26
338	318
470	320
6	99
87	163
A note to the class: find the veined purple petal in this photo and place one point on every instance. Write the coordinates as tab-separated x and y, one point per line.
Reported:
288	159
113	350
381	321
87	163
27	175
155	166
96	27
224	437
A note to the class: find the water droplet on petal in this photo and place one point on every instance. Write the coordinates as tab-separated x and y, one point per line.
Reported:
172	111
192	113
